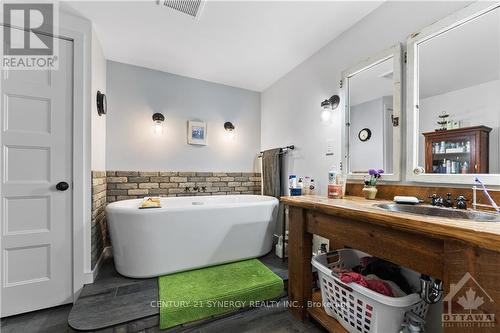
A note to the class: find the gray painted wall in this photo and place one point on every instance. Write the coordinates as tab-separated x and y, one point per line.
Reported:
369	154
290	107
98	123
135	93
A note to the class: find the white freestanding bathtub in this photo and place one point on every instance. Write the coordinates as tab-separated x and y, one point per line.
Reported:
189	232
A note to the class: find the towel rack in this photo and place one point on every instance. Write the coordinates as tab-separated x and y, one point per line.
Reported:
284	150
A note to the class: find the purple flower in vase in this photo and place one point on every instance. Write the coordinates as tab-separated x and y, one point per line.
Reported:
374	175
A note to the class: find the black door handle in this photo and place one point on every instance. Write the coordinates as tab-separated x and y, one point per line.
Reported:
62	186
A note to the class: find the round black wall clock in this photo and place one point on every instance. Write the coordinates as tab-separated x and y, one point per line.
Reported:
365	134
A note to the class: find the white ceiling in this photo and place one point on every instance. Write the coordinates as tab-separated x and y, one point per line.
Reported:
247	44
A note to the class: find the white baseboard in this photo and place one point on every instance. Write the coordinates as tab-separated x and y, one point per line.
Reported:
91	276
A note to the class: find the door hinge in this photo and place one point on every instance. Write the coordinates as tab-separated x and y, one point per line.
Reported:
406	57
395	121
340	83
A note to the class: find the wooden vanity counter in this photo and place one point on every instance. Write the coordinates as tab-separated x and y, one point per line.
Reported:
444	248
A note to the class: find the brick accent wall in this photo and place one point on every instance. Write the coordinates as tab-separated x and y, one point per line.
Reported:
99	238
109	186
122	185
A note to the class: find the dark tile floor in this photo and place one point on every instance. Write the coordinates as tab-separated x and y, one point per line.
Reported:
118	304
113	299
43	321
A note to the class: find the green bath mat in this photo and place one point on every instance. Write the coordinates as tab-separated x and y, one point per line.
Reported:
202	293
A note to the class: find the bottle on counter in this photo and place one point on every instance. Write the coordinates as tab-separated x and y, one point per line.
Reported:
292	181
332	180
312	187
300	185
307	182
332	175
335	184
293	185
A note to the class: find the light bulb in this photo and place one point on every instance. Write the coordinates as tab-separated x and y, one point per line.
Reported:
326	114
229	128
230	135
158	120
158	128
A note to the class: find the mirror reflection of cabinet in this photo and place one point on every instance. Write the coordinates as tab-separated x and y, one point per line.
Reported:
454	70
457	151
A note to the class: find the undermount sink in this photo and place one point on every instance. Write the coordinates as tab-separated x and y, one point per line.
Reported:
442	212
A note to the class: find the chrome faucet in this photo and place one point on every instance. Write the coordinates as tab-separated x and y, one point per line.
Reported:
431	291
448	202
438	201
195	188
461	202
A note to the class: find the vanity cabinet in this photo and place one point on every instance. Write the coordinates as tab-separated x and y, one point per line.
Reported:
457	151
463	254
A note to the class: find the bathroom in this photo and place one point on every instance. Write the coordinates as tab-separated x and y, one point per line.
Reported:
160	153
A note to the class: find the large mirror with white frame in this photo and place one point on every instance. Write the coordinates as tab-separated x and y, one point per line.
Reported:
454	98
372	116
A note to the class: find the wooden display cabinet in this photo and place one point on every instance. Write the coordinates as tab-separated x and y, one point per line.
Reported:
457	151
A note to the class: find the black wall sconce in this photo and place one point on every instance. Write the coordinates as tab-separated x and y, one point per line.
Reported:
327	106
158	119
102	103
229	127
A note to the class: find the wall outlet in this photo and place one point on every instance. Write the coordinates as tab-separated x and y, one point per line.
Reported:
329	147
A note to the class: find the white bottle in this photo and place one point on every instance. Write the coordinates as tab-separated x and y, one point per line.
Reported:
307	185
332	176
312	187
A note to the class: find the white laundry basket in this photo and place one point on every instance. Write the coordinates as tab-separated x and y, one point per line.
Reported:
359	309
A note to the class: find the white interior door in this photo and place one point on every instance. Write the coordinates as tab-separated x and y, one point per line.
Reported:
36	220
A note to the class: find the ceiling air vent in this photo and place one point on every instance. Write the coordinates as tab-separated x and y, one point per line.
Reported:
189	7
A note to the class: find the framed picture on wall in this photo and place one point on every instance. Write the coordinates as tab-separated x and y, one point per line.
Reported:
197	133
